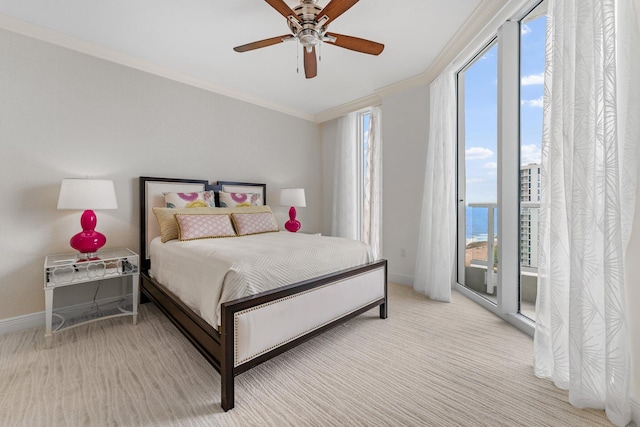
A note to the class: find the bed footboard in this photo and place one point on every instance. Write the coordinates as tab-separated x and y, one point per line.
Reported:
257	328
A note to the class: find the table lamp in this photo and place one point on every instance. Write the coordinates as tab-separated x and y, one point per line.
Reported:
87	194
292	197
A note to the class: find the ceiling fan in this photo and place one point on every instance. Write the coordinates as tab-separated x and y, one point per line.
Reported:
308	23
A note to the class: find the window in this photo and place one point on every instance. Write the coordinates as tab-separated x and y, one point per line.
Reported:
499	138
532	59
478	140
364	122
358	204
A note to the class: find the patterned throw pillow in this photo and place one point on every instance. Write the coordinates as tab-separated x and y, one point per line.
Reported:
202	199
254	223
169	225
229	200
193	227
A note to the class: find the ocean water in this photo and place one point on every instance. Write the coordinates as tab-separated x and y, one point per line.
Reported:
477	224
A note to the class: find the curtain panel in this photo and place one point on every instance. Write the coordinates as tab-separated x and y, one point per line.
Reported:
345	183
588	190
436	256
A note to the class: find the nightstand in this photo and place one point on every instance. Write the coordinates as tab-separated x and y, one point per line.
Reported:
67	270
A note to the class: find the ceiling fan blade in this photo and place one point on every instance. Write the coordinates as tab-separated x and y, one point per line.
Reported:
336	8
356	43
310	63
283	9
261	43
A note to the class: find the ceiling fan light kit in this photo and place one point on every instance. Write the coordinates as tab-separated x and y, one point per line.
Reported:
308	24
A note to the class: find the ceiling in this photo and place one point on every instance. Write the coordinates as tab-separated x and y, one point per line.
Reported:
192	41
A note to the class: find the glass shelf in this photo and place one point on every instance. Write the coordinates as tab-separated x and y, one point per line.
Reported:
68	269
65	318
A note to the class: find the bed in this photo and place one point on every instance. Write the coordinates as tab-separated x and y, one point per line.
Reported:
249	330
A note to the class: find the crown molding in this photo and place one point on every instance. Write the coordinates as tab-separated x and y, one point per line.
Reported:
486	12
56	38
481	16
349	107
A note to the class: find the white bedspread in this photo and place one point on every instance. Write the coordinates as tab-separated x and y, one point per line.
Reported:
205	273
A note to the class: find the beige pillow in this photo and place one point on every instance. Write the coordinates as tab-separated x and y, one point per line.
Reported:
169	226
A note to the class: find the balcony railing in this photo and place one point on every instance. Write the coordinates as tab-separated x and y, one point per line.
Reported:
487	259
482	241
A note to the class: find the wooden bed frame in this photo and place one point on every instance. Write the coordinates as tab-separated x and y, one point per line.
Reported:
219	346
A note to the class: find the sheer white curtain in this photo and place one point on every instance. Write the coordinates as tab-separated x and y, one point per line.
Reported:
372	211
355	195
345	183
436	258
589	178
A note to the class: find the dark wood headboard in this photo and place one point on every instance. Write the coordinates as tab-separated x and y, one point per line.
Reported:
151	189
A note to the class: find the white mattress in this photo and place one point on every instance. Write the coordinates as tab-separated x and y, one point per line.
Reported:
205	273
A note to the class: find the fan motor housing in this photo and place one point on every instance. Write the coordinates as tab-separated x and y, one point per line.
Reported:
307	13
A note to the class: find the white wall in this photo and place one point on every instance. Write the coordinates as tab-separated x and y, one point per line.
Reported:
65	114
405	131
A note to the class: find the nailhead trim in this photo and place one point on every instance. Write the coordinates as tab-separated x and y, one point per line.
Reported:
240	313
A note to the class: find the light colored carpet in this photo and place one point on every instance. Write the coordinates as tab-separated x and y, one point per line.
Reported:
428	364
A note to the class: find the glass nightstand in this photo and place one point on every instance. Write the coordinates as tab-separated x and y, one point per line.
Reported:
67	270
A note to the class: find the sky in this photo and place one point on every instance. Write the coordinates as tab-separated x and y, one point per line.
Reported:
481	112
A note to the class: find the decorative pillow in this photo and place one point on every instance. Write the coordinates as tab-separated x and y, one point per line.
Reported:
254	223
169	226
191	227
229	200
202	199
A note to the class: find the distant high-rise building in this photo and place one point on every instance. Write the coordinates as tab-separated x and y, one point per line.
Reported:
529	211
530	183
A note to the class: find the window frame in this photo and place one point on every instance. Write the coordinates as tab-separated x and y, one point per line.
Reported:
507	37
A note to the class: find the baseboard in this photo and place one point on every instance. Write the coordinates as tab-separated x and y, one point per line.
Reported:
635	410
37	320
401	279
18	323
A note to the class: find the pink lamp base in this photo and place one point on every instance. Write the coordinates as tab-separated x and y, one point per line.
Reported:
88	241
293	224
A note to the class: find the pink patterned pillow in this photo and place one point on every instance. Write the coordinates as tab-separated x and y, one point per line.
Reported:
191	227
254	223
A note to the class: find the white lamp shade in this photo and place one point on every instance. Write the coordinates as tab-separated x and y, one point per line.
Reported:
87	194
292	197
